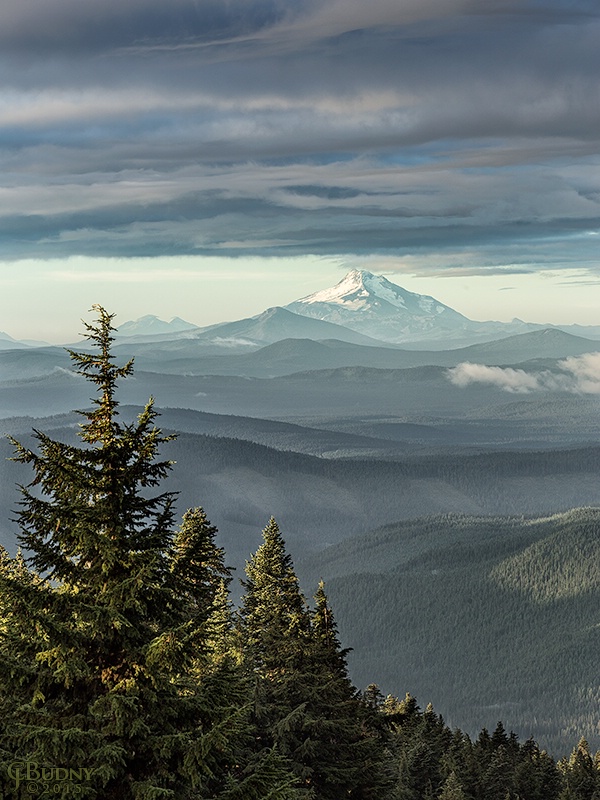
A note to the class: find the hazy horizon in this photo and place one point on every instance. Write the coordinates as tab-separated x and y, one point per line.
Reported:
218	291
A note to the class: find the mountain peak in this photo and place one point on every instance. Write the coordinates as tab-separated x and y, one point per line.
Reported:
355	279
361	290
379	308
150	325
356	285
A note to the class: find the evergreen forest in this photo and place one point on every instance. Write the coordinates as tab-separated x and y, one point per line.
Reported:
126	672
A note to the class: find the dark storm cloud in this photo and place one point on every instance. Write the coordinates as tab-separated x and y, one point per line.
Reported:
322	126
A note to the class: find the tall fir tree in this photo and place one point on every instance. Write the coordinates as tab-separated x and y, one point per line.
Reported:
306	705
581	774
350	756
105	650
274	632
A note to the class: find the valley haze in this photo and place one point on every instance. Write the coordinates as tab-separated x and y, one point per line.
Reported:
399	444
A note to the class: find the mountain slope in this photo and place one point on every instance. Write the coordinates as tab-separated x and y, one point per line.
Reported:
374	305
278	323
379	308
319	501
8	343
544	343
488	618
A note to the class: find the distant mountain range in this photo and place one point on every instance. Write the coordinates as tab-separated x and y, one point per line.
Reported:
152	326
8	343
376	307
362	308
291	355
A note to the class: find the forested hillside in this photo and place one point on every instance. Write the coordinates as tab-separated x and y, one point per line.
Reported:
321	501
487	618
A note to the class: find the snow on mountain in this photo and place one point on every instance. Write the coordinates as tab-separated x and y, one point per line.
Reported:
376	307
362	291
379	308
150	325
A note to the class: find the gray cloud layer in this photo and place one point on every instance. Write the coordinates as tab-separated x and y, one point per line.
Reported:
323	126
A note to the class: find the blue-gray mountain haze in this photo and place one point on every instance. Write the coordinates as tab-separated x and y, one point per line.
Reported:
331	415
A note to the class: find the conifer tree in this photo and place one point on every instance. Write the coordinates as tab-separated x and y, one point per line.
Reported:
452	789
274	635
348	761
536	775
105	655
306	704
581	775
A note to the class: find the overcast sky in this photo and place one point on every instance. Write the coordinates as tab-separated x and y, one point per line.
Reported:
208	158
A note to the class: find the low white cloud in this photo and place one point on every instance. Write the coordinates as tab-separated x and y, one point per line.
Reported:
508	379
585	371
578	375
231	341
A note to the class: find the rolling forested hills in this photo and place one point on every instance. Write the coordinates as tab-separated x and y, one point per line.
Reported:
284	356
351	400
488	618
302	353
320	501
479	594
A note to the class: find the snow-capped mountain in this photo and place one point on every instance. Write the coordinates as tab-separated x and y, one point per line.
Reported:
376	307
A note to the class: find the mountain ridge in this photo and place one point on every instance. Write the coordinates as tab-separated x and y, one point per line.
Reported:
277	323
361	308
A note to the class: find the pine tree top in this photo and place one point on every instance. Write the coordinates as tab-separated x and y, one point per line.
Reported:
86	517
98	368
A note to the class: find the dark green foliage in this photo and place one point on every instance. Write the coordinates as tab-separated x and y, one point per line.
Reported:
452	789
536	776
348	758
418	744
274	611
274	633
106	653
428	760
306	705
581	774
503	611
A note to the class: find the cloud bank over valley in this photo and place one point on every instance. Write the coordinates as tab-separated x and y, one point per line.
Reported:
577	374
